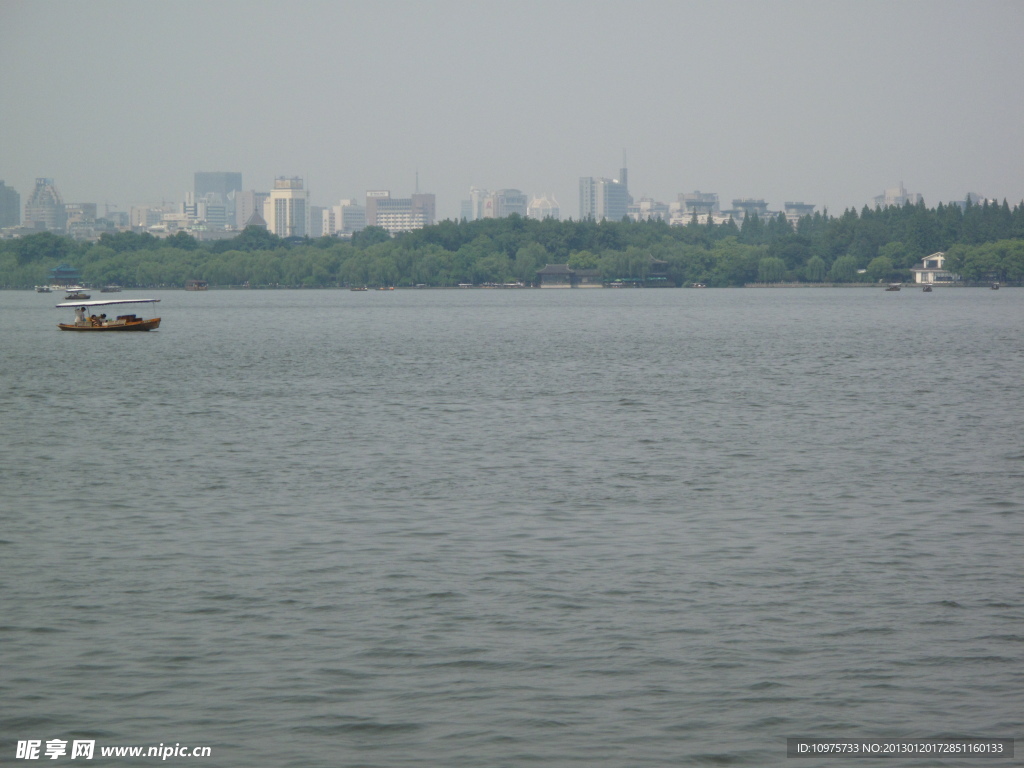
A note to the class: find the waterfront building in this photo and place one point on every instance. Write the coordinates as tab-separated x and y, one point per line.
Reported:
932	271
44	208
10	206
65	275
286	210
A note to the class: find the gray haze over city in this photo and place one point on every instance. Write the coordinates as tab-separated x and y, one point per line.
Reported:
828	103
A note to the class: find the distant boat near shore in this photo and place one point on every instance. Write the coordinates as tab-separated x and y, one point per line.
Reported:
196	285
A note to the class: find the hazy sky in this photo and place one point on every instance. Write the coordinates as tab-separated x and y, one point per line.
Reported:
823	102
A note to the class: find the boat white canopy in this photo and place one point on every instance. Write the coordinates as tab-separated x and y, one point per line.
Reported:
105	302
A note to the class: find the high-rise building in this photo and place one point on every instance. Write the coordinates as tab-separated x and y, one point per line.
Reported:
287	209
543	208
493	205
648	209
505	202
897	196
602	198
316	221
219	187
45	208
749	206
346	218
209	211
796	211
396	214
146	216
699	202
10	206
698	206
473	208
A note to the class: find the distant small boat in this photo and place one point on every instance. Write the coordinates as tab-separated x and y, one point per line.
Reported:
995	286
927	289
358	288
894	286
110	289
76	296
43	289
699	285
196	285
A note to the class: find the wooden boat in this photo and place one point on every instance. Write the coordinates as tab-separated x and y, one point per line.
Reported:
894	286
358	288
76	296
995	286
927	289
196	285
43	289
102	323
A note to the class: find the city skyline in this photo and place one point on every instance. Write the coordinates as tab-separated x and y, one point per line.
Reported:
209	210
828	103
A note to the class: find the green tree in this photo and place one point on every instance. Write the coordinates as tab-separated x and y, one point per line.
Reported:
771	270
844	270
528	260
735	263
814	270
370	236
880	269
583	260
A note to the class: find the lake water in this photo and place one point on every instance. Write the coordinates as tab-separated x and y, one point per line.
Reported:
514	528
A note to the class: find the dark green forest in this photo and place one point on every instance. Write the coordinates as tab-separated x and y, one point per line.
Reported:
982	243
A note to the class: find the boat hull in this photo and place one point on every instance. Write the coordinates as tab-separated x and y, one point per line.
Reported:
141	325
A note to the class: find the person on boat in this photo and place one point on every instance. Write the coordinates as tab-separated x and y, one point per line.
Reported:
80	316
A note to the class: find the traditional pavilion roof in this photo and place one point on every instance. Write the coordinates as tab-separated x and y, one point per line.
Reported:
256	221
555	269
63	271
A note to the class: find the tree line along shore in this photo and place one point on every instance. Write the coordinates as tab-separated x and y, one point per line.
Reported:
982	243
